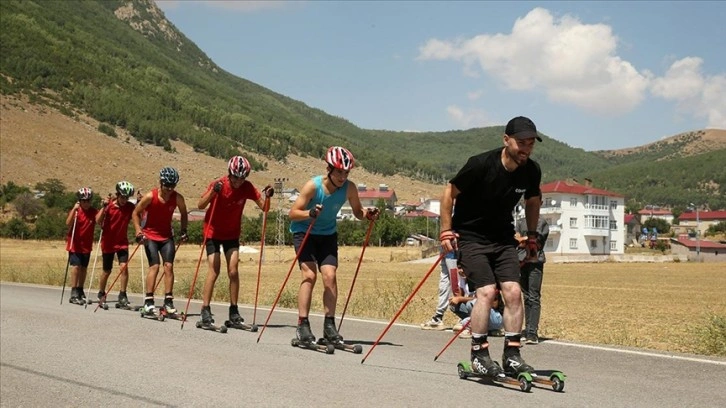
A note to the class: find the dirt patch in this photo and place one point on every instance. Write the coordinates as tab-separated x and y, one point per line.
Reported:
39	143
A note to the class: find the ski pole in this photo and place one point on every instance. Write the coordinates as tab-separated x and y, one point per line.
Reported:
199	262
456	334
403	307
360	260
68	264
297	255
262	250
120	271
164	271
143	284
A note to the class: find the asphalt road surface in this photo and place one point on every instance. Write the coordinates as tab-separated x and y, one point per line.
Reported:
65	355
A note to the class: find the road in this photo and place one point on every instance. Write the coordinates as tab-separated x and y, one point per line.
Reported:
65	355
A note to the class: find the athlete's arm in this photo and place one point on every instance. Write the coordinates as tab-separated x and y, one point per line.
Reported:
182	206
299	211
139	210
354	201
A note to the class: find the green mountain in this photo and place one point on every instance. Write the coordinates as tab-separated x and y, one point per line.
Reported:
124	64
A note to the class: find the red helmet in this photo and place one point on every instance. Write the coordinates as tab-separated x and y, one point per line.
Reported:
340	158
239	167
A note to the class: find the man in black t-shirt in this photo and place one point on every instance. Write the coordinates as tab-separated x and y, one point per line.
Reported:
485	191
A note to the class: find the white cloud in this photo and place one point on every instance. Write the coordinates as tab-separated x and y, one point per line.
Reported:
468	119
475	95
695	93
572	62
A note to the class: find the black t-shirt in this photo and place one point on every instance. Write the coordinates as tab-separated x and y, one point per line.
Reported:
488	194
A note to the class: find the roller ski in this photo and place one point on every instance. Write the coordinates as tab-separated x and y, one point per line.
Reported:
522	380
149	311
554	379
305	339
331	336
169	311
207	322
237	322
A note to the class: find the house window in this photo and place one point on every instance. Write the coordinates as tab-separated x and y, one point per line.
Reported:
573	222
573	202
573	243
596	221
613	245
613	225
593	243
613	205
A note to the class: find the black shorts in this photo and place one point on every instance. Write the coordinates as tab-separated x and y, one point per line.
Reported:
213	245
321	249
166	248
76	259
487	264
123	257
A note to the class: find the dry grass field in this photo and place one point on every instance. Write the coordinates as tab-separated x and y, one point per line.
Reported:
677	307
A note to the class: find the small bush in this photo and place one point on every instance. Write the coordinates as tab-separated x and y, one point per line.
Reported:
106	129
711	339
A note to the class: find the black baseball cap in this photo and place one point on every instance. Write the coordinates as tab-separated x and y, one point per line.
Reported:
522	128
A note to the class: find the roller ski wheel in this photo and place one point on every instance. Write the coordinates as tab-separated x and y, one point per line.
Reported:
323	348
241	326
151	315
556	380
340	345
521	380
211	327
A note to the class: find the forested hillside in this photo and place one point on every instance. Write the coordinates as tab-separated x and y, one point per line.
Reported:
125	65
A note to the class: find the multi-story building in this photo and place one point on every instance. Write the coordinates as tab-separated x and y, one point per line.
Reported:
583	219
369	198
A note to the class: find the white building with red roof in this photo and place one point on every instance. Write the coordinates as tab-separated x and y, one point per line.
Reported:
692	221
369	198
583	219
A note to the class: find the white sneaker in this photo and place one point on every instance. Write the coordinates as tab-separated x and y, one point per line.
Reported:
460	325
433	324
466	334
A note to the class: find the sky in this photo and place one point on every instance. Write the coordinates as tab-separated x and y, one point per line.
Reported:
594	75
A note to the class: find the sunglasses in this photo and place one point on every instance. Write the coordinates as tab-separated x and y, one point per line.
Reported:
169	186
84	201
235	178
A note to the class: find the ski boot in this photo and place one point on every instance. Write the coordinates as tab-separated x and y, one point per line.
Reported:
82	300
123	301
481	362
169	305
303	332
101	300
512	361
74	296
330	333
234	316
207	319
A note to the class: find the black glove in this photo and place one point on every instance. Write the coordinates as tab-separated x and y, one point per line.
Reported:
184	237
140	237
314	212
268	191
217	187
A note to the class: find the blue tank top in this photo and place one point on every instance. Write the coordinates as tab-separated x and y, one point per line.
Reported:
326	220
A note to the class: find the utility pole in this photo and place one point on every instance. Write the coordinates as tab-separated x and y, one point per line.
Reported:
280	236
698	232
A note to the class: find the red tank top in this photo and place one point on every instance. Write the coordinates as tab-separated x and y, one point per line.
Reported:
115	227
158	216
83	236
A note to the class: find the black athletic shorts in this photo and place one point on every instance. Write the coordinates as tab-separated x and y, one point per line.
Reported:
213	245
487	264
321	249
123	257
166	248
77	259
